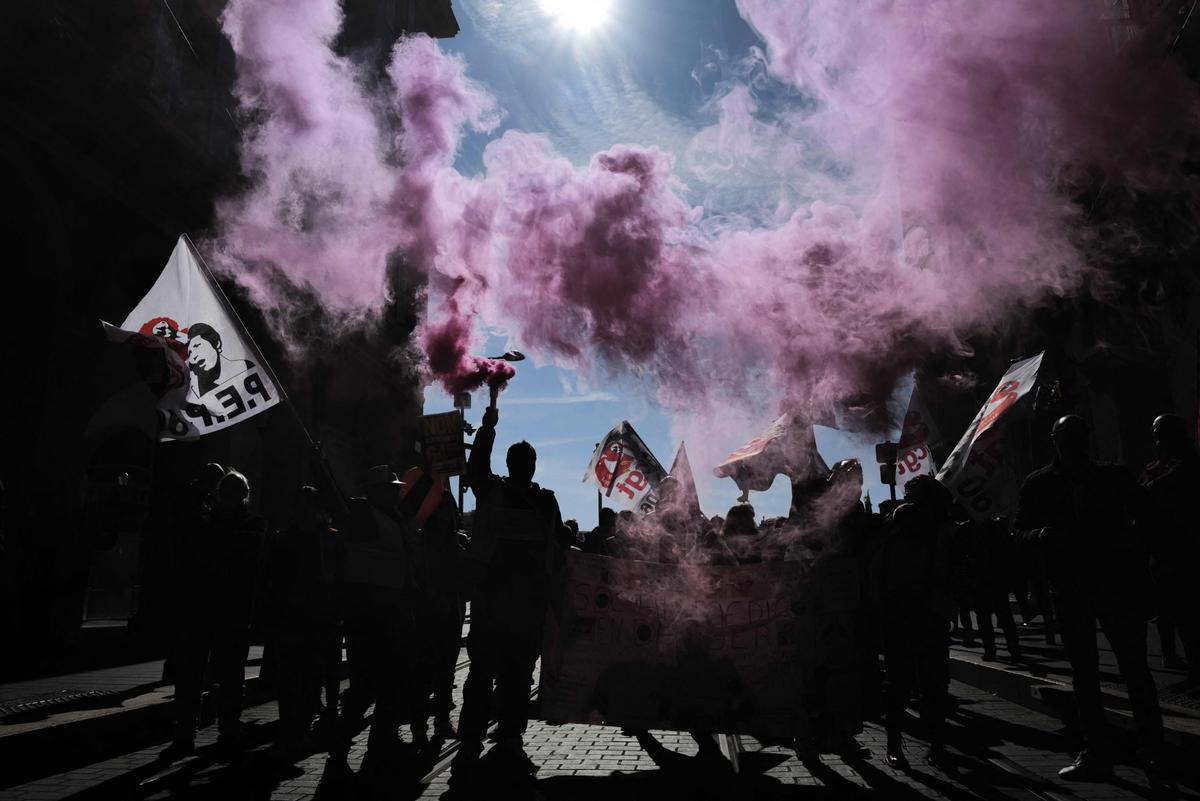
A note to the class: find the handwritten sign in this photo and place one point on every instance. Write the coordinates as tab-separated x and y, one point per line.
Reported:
442	443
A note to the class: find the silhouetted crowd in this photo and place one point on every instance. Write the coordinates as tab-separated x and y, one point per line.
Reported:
387	575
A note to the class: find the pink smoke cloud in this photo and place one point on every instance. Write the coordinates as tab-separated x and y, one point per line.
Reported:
978	121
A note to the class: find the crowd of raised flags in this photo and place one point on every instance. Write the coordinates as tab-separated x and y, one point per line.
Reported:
210	375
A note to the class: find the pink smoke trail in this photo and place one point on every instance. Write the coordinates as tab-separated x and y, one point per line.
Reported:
992	113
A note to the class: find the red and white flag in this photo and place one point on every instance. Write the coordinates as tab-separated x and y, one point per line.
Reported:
227	381
918	437
159	381
976	471
787	446
625	470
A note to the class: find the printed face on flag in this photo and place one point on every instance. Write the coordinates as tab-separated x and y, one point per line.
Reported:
615	463
211	368
225	384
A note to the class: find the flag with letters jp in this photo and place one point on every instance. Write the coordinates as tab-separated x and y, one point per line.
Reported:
226	381
625	470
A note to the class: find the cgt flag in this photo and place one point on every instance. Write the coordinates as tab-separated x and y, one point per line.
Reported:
624	469
228	380
976	471
918	437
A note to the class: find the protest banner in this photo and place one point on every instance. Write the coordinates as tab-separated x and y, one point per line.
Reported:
764	649
442	443
976	471
229	382
624	469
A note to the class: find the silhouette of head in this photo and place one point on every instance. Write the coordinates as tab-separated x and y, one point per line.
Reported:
308	512
522	462
847	472
608	519
739	521
210	476
1170	436
1071	438
929	494
233	492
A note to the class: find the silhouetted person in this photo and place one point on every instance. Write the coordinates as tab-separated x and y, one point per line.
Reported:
1171	527
991	558
189	506
380	549
574	535
299	615
597	540
839	534
915	607
1079	513
676	533
740	536
515	546
675	524
440	618
963	588
216	563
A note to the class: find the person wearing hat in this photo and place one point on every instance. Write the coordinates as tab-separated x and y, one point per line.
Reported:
1079	513
378	582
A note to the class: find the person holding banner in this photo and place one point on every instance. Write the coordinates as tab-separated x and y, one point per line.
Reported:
516	545
1079	514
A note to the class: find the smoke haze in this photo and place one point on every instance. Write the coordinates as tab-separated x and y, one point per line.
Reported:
978	124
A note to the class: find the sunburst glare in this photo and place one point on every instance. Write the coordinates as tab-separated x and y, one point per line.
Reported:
578	15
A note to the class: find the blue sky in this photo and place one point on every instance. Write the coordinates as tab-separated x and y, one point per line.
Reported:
649	75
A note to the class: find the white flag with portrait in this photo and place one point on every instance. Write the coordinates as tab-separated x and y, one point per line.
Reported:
227	383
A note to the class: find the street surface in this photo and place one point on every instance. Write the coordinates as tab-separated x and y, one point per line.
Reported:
999	750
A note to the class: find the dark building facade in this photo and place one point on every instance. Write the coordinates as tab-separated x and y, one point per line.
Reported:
118	133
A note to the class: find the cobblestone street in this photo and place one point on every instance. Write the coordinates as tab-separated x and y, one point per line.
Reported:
999	750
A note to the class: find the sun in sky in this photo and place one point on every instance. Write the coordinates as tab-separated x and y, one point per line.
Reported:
578	15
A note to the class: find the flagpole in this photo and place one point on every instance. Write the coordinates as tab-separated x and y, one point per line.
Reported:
616	469
600	496
220	293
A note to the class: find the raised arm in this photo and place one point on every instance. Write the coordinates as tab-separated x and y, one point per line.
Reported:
479	465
